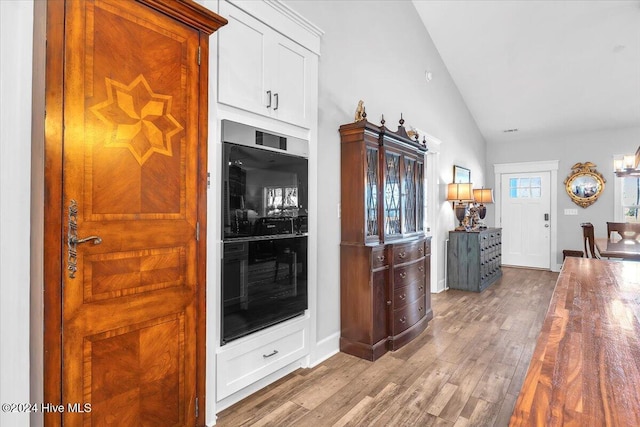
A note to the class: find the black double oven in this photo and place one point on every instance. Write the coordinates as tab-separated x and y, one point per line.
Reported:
264	220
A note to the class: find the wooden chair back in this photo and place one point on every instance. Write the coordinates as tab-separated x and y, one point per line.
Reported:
589	240
626	230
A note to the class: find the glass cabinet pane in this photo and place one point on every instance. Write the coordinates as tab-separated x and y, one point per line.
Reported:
409	196
371	196
392	194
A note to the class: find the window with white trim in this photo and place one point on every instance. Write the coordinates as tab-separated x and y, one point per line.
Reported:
629	198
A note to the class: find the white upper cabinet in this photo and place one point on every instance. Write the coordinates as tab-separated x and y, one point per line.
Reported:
264	72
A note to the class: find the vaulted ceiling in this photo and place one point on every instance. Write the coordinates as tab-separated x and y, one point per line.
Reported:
541	67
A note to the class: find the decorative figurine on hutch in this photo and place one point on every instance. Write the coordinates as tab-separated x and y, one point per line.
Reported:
360	112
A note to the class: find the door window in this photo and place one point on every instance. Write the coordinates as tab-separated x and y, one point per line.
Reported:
525	188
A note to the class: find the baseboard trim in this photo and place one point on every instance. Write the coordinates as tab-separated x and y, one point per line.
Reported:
325	348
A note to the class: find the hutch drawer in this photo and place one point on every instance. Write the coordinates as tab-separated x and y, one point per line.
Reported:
408	294
408	315
406	252
379	258
408	273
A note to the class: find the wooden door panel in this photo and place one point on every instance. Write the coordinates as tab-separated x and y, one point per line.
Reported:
117	274
133	375
131	163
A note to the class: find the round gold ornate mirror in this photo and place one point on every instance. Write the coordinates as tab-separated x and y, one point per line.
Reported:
585	184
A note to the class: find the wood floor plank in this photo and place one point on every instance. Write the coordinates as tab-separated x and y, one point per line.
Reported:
465	370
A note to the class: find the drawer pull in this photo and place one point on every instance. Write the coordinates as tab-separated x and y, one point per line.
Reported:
403	297
266	356
421	250
420	287
421	308
402	255
421	268
380	258
403	319
389	302
403	274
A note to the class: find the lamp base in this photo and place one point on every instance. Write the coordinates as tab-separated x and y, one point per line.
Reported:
461	211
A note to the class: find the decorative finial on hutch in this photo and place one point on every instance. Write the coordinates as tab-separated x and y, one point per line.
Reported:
401	130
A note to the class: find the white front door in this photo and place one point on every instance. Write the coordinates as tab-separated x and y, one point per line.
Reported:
525	219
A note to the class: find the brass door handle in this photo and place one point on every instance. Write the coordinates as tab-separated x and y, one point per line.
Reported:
96	240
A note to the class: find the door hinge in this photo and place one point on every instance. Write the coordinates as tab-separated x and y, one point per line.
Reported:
208	180
199	54
198	230
197	409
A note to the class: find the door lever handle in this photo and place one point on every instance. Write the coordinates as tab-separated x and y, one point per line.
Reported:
96	240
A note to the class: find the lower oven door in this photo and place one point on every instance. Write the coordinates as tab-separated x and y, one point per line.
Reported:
264	282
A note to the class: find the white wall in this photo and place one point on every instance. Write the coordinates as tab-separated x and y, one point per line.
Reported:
379	52
16	18
596	147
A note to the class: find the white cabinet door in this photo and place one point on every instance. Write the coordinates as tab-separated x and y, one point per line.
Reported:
241	67
262	71
290	81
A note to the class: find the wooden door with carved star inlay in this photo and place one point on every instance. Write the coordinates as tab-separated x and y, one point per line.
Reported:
133	207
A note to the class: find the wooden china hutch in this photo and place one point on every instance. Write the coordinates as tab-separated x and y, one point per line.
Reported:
384	252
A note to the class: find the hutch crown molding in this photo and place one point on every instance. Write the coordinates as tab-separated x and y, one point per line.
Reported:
384	253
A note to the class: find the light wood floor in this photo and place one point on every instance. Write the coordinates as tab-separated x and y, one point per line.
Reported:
466	369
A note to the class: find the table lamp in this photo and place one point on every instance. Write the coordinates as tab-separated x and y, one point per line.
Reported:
459	194
482	196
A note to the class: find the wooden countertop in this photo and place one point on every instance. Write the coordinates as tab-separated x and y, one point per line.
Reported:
585	369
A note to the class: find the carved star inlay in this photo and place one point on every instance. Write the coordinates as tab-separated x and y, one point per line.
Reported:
140	119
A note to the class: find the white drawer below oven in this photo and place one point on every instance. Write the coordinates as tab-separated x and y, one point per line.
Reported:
243	364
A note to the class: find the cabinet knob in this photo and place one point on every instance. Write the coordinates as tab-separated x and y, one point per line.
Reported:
421	250
420	308
402	255
403	275
380	258
421	268
420	287
389	302
403	297
403	319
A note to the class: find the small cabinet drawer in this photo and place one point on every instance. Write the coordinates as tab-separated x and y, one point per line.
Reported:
408	294
408	315
248	362
408	273
379	258
408	252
